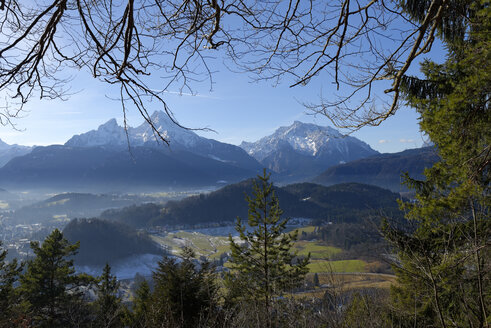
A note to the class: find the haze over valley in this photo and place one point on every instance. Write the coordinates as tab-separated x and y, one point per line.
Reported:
110	186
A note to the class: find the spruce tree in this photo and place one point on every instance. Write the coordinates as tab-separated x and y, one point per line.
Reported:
185	293
9	301
263	264
52	292
108	307
443	269
140	315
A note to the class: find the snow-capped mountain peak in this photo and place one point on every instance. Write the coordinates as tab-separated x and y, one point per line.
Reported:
109	133
167	128
290	147
182	140
306	138
112	134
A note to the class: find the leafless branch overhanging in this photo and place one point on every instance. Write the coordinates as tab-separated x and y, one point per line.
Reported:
360	46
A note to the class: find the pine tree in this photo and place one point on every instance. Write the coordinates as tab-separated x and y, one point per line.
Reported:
263	264
108	307
52	292
443	269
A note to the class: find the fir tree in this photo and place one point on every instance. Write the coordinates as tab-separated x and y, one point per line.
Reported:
263	264
52	292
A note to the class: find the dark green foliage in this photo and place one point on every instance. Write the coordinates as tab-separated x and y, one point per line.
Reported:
185	294
136	216
104	241
52	293
139	317
370	309
108	308
358	240
444	269
9	300
346	203
383	170
263	264
316	279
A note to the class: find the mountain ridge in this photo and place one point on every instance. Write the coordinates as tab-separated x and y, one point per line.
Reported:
8	152
306	149
113	135
383	170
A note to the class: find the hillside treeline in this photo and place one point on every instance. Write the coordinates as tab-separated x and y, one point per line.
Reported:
349	202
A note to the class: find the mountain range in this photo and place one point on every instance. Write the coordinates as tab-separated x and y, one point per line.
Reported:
304	150
110	134
102	160
7	152
111	158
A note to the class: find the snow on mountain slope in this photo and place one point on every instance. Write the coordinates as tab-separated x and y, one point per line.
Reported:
306	147
111	134
7	152
305	138
144	134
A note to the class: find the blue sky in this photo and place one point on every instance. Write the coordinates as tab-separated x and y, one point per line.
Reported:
236	109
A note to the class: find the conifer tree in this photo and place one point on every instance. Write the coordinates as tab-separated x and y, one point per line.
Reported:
185	293
316	280
108	307
51	290
9	273
263	264
139	316
443	269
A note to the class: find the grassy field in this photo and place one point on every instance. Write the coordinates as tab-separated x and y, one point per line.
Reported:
317	251
342	282
203	245
337	266
214	246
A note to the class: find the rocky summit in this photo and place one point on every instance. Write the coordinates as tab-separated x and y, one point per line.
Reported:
306	149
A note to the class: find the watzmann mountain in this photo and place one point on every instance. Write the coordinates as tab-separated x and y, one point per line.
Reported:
100	160
303	149
113	135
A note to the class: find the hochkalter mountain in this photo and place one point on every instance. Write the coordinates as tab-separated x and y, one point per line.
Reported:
303	149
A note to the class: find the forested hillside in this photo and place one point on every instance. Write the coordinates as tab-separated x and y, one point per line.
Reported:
385	170
341	203
104	241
